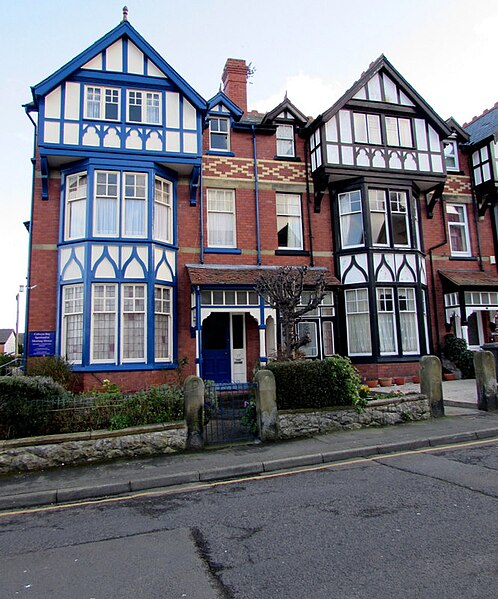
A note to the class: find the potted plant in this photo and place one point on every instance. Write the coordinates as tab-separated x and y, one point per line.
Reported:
372	383
399	380
385	381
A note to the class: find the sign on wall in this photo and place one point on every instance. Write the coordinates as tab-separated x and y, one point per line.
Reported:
41	343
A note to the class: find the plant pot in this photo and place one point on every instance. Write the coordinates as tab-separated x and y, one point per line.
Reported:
449	376
416	379
399	380
372	383
385	381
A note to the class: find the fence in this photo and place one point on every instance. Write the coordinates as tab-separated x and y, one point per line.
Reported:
229	412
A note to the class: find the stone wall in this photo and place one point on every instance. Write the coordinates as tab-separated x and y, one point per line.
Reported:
380	412
38	453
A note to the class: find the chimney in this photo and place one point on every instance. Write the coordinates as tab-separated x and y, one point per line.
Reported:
234	80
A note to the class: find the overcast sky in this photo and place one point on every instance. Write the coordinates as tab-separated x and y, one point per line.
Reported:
314	50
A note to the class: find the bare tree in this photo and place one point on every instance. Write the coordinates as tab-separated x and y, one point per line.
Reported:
282	289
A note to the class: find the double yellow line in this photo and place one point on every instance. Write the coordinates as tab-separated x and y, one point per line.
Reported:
194	487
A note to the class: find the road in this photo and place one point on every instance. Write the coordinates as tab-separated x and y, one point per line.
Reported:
419	525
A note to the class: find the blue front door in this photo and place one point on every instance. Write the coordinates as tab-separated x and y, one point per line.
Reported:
216	360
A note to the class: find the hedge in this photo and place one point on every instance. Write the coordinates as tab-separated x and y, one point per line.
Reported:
316	384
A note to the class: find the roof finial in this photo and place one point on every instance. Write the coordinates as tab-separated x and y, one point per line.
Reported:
285	97
125	13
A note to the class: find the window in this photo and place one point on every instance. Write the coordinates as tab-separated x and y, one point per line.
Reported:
285	141
378	216
76	192
367	128
133	323
219	134
101	103
104	323
144	107
289	224
124	193
386	321
163	221
481	165
221	218
351	219
134	204
458	230
399	132
399	217
106	203
309	329
72	322
450	149
162	323
358	322
408	321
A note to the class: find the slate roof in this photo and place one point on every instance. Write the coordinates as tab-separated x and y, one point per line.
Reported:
469	279
483	126
5	334
213	274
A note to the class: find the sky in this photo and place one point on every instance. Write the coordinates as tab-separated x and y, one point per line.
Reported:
313	50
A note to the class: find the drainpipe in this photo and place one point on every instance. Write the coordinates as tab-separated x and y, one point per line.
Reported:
256	193
476	221
30	242
308	201
201	224
433	278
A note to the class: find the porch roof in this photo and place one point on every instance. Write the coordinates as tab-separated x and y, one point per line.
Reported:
464	279
223	274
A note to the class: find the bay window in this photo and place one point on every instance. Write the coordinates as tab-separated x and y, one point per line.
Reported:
289	222
76	197
386	321
162	323
135	196
133	323
163	221
104	321
106	203
221	218
358	322
399	218
408	321
378	216
351	219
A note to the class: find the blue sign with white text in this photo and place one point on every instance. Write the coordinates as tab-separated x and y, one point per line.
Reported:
41	343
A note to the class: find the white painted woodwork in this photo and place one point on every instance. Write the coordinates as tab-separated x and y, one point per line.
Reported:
114	57
53	104
72	102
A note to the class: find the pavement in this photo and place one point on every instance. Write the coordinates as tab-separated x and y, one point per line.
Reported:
462	422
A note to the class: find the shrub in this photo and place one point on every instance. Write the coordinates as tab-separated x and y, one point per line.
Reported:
316	384
456	351
25	403
55	367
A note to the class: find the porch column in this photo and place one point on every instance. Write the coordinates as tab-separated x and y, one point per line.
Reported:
263	358
465	333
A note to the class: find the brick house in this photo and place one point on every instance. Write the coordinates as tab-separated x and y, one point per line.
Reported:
154	211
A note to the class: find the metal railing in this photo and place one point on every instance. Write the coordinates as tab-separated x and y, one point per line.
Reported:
10	367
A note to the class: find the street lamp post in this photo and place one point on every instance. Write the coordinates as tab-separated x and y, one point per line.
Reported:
22	288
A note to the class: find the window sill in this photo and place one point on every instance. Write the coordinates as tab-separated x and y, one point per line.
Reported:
219	153
106	367
282	252
466	258
222	251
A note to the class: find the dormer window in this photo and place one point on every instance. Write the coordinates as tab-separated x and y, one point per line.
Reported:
451	155
219	134
101	103
285	141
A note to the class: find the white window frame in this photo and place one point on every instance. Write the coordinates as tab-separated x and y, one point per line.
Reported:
303	327
136	197
411	309
97	196
215	132
355	300
114	298
107	95
385	308
378	205
396	199
79	197
463	226
134	304
163	204
351	198
149	101
367	128
399	132
72	320
162	308
286	215
285	141
451	154
229	196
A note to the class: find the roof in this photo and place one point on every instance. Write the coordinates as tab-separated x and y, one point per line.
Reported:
469	279
5	334
222	98
286	106
483	126
382	64
214	274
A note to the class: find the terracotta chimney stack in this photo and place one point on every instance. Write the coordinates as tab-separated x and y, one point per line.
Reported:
234	80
